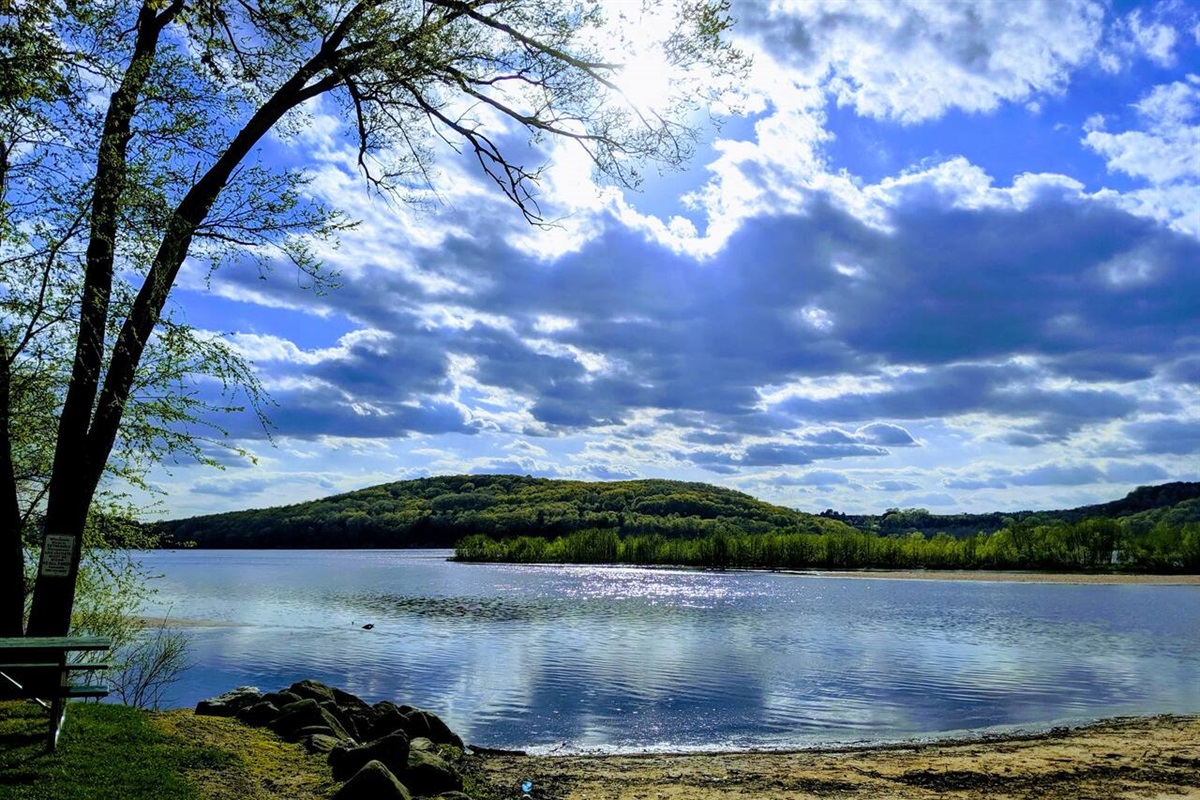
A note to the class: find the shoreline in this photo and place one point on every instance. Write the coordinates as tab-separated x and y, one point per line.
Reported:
1001	576
982	575
1123	756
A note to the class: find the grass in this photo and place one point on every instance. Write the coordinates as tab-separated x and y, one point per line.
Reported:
111	752
104	751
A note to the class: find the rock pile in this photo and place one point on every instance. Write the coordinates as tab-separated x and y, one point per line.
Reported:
382	751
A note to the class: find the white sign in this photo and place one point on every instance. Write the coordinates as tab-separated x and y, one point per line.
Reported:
56	555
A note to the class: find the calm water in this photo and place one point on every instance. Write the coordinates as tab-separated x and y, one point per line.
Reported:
584	657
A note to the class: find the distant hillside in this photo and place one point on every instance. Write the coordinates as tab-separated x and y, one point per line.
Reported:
1143	508
438	512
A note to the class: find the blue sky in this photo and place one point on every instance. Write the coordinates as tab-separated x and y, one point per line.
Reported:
949	257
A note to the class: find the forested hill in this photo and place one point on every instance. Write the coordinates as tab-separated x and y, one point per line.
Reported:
438	512
1143	508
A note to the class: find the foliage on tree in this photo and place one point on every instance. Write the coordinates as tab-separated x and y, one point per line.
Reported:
132	138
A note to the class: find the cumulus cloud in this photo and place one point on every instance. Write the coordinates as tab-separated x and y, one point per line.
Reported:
1164	436
934	320
1164	151
1141	34
815	477
1168	149
1057	475
912	61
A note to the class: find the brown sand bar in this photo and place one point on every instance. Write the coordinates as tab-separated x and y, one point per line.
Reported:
1011	577
1142	757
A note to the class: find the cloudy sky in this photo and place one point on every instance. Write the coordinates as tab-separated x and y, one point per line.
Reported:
948	256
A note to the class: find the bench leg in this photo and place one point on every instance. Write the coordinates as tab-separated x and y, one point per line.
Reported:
58	715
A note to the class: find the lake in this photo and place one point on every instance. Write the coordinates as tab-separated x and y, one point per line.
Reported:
576	658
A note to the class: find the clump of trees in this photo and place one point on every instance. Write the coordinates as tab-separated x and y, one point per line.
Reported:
1091	544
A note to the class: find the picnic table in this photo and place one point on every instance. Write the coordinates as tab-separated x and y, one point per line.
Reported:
40	669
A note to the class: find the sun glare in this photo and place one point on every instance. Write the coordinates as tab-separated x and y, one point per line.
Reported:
645	79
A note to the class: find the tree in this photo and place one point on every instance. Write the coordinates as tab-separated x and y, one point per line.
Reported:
104	202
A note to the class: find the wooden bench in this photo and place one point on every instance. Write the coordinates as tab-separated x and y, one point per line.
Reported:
39	669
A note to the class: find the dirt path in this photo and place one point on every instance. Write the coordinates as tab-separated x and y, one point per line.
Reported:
1149	757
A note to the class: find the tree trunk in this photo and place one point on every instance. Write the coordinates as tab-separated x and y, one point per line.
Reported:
75	475
12	552
86	436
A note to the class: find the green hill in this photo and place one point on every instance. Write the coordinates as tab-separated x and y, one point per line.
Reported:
438	512
1173	503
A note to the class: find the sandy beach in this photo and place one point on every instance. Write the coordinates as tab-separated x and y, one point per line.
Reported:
1144	757
1011	577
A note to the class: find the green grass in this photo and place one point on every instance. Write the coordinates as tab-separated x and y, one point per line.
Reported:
104	751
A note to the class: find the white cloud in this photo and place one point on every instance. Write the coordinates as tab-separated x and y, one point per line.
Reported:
1133	36
911	61
1168	150
1165	152
260	348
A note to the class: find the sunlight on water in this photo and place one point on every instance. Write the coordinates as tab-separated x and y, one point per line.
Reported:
569	658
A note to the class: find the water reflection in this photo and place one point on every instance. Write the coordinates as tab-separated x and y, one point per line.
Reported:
519	656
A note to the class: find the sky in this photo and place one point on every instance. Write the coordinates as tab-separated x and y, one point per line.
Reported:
947	256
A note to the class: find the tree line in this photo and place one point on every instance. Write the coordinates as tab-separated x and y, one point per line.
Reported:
1091	544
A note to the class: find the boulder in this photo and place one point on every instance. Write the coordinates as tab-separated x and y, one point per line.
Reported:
319	743
313	690
392	751
313	730
430	726
341	715
348	701
258	715
428	774
228	704
373	782
388	719
303	714
281	699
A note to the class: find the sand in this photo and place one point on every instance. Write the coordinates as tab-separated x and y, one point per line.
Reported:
1011	577
1144	757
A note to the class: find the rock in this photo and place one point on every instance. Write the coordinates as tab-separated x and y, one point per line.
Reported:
341	716
313	730
431	726
428	774
302	714
453	796
388	719
258	715
314	690
392	751
228	704
281	699
422	743
319	743
373	782
348	701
